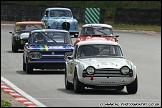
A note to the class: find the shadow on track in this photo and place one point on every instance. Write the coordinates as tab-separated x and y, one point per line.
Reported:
37	72
89	91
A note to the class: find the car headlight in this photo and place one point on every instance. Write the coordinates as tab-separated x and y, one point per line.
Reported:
35	55
125	70
56	22
17	37
90	70
75	23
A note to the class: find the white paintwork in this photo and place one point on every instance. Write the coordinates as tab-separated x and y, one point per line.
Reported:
24	35
99	63
98	25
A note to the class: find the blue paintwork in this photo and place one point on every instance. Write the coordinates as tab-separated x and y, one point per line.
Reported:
50	21
51	53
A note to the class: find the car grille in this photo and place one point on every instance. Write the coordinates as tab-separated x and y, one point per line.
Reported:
53	54
107	72
66	26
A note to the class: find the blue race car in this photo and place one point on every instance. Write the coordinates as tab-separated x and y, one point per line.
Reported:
61	18
46	49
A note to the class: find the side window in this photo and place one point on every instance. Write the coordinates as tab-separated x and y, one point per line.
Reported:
46	13
83	31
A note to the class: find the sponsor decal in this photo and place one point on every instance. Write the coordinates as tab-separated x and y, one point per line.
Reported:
41	47
46	47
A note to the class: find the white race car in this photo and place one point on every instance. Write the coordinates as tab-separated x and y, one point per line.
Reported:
99	64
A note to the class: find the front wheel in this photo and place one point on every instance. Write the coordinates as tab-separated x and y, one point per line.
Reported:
132	88
29	68
75	36
78	86
14	48
24	65
68	85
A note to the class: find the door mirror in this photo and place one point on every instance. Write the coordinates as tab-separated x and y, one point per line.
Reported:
26	44
10	32
117	35
70	57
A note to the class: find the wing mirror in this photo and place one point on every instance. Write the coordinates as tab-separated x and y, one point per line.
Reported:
10	32
117	35
26	44
70	57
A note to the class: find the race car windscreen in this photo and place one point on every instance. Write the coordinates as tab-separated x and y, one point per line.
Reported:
93	30
99	50
51	38
29	27
60	13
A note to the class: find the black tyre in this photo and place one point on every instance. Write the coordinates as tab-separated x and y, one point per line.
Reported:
132	88
78	86
75	36
68	85
24	65
29	68
14	48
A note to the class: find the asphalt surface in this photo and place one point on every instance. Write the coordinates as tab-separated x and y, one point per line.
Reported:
46	88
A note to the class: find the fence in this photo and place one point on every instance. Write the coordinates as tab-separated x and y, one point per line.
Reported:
22	12
10	12
138	16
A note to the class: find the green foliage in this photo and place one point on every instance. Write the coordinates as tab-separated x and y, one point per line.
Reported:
5	104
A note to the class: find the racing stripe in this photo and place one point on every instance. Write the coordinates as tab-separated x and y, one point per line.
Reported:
46	47
41	47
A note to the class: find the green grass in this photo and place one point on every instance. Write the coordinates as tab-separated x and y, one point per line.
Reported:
5	104
154	28
137	27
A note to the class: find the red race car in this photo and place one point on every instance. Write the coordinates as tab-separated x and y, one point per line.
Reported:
96	31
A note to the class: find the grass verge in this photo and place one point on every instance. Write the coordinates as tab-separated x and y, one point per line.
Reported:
5	104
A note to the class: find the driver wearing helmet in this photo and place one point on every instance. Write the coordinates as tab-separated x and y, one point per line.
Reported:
39	38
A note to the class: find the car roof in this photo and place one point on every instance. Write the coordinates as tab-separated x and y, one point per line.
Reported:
97	41
55	8
49	30
97	24
29	22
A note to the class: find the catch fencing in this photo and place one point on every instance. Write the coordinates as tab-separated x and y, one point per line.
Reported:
27	12
10	12
138	16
